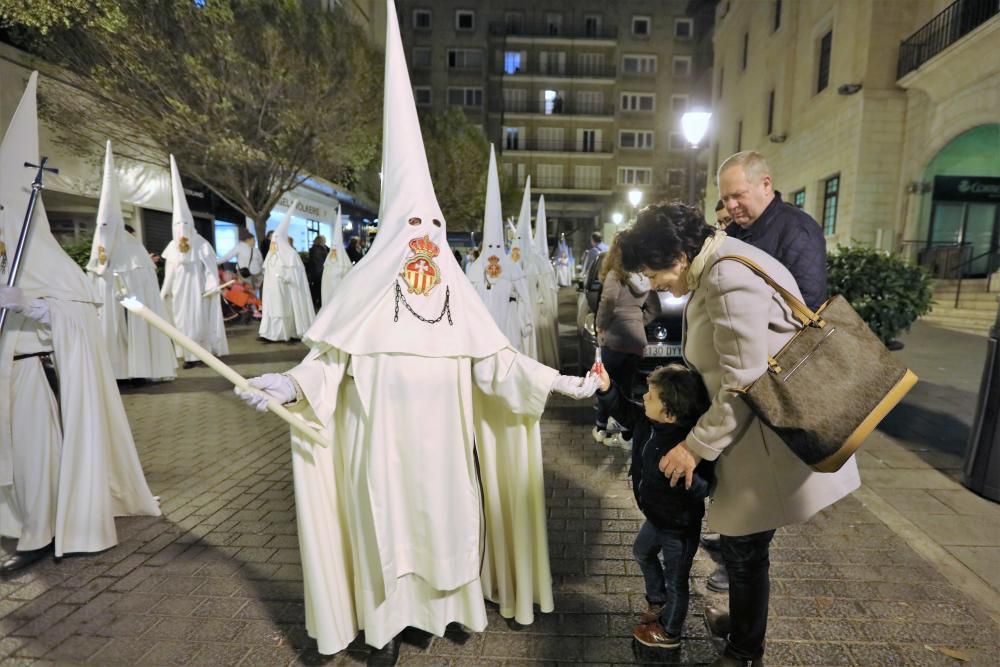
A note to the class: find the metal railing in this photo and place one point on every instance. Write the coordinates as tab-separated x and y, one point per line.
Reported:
953	23
559	145
569	31
567	70
557	108
952	261
570	183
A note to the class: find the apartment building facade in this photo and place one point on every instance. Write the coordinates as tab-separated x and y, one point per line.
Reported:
878	117
584	96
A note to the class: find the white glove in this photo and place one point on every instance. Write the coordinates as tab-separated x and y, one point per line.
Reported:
278	386
577	387
12	298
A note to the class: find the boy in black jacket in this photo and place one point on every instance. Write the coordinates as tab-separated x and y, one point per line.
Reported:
676	398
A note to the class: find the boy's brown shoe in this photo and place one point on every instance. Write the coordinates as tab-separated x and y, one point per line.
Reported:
653	634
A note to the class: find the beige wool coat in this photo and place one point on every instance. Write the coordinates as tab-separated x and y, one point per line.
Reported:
733	321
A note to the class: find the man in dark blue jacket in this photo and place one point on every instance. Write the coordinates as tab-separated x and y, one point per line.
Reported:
763	220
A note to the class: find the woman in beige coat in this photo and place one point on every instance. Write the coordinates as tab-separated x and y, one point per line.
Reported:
733	321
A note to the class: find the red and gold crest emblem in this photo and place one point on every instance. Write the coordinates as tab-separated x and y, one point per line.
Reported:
420	271
493	269
515	253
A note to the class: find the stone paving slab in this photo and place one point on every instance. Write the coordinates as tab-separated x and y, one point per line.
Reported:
216	580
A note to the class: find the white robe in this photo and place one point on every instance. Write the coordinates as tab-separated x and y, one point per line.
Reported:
509	302
389	514
67	467
564	276
136	349
287	303
184	283
333	272
547	324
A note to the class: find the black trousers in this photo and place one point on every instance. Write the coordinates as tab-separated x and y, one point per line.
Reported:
748	563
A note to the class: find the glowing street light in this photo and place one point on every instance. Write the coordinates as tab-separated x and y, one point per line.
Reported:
635	197
617	218
694	125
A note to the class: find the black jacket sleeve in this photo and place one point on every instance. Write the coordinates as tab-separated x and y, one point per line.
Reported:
625	412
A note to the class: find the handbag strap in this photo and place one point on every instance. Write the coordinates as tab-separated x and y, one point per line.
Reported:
800	310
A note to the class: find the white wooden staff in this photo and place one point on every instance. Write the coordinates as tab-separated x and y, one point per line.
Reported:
216	290
298	423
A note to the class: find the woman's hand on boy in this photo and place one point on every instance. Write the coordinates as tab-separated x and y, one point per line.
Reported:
678	463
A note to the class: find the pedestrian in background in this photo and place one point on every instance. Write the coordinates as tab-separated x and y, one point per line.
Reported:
621	335
763	220
354	250
734	321
314	268
597	246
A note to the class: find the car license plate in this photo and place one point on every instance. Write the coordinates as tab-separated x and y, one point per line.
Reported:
662	351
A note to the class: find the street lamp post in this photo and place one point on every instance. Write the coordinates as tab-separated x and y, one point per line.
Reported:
635	198
694	125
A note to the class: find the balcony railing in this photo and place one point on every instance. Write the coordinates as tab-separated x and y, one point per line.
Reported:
500	29
953	23
583	183
557	108
559	146
568	70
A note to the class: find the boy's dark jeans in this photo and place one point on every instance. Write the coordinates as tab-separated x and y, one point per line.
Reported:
621	367
748	564
667	584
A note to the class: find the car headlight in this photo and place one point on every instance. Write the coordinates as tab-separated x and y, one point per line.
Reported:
589	324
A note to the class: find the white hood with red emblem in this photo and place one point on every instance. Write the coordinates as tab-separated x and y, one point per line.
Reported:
493	262
407	295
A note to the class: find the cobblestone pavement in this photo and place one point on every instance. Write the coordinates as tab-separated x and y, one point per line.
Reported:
217	581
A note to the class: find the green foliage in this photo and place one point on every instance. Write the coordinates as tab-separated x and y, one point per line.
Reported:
79	252
248	95
888	293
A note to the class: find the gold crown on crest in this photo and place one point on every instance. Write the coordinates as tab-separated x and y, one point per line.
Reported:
424	246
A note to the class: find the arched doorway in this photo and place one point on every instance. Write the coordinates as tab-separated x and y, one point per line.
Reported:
963	219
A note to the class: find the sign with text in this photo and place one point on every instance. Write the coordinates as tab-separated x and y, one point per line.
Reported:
967	188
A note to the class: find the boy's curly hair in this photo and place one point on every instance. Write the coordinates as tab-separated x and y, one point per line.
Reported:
681	391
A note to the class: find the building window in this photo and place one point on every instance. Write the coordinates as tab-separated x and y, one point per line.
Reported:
642	26
823	70
638	102
682	66
636	64
587	177
422	95
512	61
514	22
515	99
677	141
831	192
683	28
770	113
739	136
746	50
552	102
589	140
592	25
635	175
635	139
591	64
422	56
722	76
465	58
553	24
421	19
465	97
465	19
549	175
799	198
590	101
512	138
777	15
675	178
679	103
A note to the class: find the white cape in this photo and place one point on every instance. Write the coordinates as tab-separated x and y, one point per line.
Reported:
184	283
287	305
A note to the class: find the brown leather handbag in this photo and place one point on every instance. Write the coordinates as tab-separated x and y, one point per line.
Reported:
830	385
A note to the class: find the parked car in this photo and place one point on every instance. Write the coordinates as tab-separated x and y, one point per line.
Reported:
664	322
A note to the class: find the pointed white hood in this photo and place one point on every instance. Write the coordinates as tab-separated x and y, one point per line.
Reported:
493	262
182	223
46	270
409	277
522	243
541	231
113	247
281	251
338	254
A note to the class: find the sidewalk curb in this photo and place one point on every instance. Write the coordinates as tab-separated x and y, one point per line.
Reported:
950	567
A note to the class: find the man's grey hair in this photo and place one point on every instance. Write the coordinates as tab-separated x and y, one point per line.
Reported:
754	165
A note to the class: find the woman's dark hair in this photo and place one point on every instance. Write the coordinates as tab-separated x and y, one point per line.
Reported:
662	235
681	391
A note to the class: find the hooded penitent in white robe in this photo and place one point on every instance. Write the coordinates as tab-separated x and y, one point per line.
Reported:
68	463
336	265
522	253
287	304
497	278
136	349
564	264
407	373
189	272
548	290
